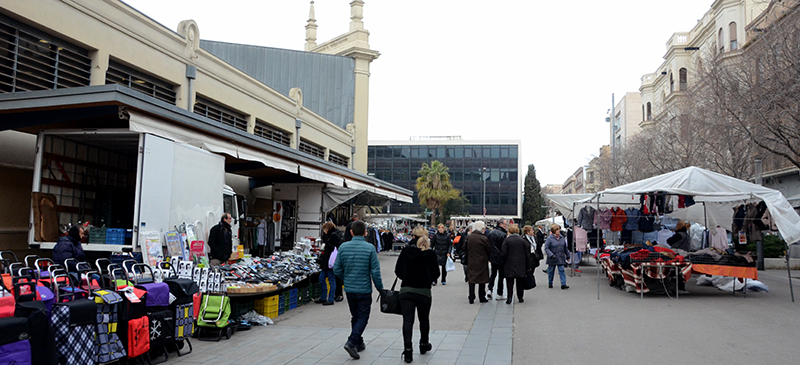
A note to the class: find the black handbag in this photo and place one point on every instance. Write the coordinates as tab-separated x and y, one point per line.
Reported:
530	280
390	300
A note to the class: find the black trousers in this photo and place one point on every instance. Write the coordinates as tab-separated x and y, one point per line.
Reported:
444	272
520	287
481	292
497	272
409	302
339	286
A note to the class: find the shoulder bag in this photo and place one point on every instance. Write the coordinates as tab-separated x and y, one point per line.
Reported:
390	300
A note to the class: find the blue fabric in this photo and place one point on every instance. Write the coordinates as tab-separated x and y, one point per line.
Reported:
66	248
632	223
359	316
325	294
551	273
651	236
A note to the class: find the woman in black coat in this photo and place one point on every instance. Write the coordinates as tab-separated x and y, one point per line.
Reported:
330	238
443	246
517	261
417	268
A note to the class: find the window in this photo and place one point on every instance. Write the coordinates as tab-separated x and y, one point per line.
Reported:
643	115
32	60
721	41
504	152
649	111
440	152
671	82
495	151
311	149
270	133
415	152
339	159
487	152
370	150
405	152
141	82
513	152
459	152
684	85
451	152
397	152
732	31
214	111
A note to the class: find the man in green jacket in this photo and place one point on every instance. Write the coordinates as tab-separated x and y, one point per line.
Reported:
357	263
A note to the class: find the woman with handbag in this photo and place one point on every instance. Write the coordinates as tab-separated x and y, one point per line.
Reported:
331	240
517	262
417	267
556	248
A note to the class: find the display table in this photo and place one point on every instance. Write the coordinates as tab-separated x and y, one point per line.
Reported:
635	275
733	271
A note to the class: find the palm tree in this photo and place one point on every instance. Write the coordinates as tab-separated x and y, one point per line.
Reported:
434	188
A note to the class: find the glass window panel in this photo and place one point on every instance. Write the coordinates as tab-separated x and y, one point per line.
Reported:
495	151
495	175
371	152
504	152
504	199
512	152
451	152
440	152
459	152
476	152
512	175
431	152
415	152
397	152
405	152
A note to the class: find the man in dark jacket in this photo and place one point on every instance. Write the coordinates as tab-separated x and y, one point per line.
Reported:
220	240
69	246
496	238
347	235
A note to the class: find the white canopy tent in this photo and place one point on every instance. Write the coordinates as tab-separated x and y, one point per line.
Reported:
718	193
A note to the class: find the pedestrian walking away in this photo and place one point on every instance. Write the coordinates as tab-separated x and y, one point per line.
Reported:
327	280
477	250
443	246
417	267
556	248
357	263
517	262
220	241
496	237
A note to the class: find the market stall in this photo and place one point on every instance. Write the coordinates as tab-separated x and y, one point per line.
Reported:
702	196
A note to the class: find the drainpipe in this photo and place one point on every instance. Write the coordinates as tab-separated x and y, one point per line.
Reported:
297	124
191	75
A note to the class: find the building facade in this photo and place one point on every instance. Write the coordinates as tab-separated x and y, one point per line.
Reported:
624	123
398	162
104	67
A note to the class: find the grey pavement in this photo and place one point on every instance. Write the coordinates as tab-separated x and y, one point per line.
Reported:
552	326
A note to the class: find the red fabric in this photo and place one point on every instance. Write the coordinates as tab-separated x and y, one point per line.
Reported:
7	306
640	255
618	217
663	249
196	301
138	336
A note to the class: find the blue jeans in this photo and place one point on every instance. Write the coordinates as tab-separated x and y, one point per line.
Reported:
326	294
551	272
359	311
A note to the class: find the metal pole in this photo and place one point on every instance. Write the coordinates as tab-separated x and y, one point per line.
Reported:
597	253
483	172
788	269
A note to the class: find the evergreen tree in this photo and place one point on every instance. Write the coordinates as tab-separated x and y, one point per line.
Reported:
532	198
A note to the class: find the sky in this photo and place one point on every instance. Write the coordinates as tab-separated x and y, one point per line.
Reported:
542	72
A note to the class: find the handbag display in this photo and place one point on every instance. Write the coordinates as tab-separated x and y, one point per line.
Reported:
390	300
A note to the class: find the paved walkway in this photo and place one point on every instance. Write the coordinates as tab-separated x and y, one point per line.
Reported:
552	326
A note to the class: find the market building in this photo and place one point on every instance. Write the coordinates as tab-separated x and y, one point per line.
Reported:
101	106
499	191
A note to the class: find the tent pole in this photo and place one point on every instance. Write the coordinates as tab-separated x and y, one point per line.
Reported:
597	253
788	269
572	256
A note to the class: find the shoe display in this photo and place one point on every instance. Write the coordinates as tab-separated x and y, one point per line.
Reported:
338	299
327	303
563	287
425	347
351	350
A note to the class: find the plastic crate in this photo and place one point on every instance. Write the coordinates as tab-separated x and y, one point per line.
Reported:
115	236
286	299
293	293
97	235
238	308
271	314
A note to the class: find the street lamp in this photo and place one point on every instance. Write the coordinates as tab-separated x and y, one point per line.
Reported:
483	177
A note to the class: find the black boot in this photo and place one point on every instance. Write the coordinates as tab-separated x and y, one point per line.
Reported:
425	347
408	353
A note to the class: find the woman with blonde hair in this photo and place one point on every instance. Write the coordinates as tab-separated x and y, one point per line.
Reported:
556	248
417	267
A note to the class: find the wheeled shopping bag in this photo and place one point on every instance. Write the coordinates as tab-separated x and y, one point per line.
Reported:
215	310
42	337
162	322
133	327
183	306
108	346
74	326
15	346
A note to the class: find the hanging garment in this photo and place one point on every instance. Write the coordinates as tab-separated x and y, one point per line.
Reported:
751	215
663	235
586	217
581	239
719	238
602	218
633	216
618	217
261	232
